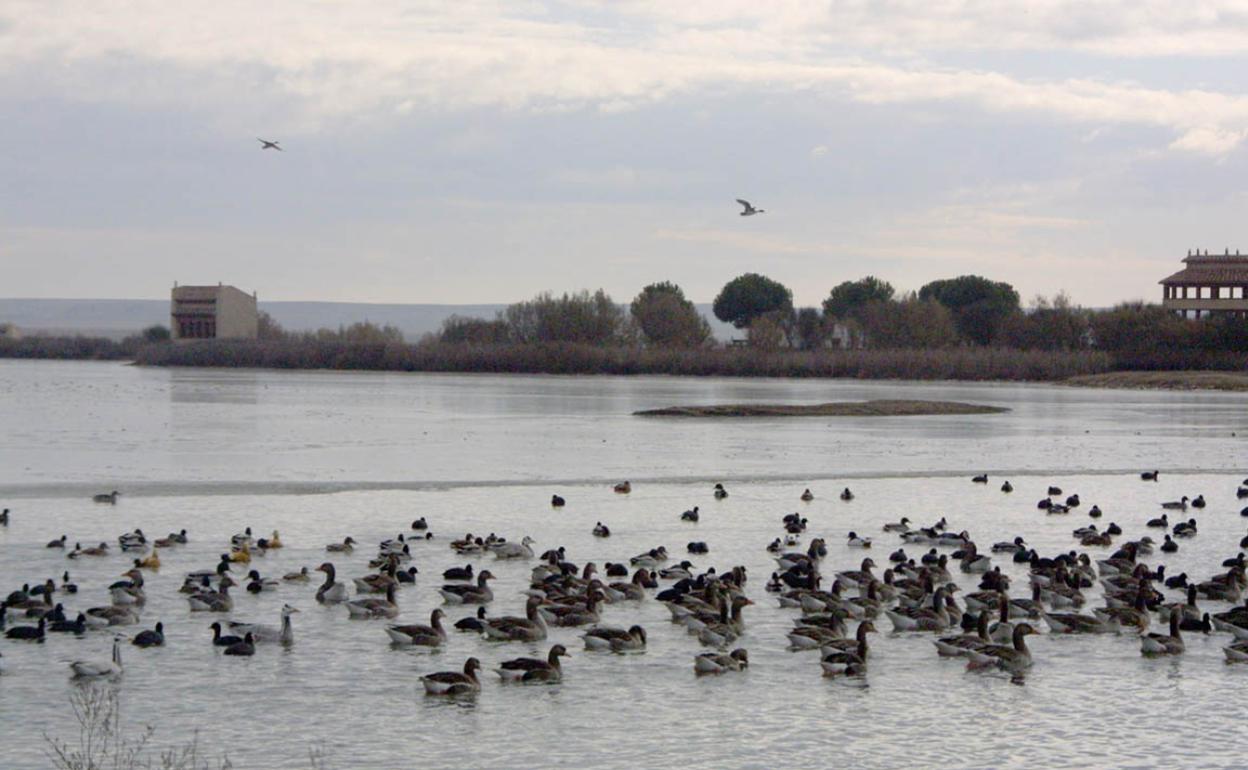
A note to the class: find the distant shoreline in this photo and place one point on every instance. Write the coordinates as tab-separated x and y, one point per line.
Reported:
1176	380
876	408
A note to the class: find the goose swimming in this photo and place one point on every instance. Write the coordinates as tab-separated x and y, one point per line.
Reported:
534	669
615	639
1164	644
519	550
1013	658
97	669
432	635
331	591
374	608
454	682
283	633
469	594
719	663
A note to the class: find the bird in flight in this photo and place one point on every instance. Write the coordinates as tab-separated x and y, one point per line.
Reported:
749	209
265	144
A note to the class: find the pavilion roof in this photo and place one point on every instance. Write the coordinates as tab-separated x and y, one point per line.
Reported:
1211	270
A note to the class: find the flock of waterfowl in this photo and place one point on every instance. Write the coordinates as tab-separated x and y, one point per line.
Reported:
917	594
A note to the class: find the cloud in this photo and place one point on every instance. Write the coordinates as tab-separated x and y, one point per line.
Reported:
819	151
308	64
1208	140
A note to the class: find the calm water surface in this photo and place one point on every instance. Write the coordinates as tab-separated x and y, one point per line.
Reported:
323	455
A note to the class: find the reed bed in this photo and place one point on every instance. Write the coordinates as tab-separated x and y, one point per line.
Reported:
948	364
66	348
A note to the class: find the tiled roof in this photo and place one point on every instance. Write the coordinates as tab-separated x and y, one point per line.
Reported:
1217	269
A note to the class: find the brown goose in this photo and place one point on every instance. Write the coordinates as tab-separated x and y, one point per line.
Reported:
331	591
1164	644
615	639
718	662
576	615
375	608
534	669
470	594
454	682
432	635
530	628
1015	657
961	646
846	663
214	601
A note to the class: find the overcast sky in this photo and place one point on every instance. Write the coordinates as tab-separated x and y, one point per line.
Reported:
483	151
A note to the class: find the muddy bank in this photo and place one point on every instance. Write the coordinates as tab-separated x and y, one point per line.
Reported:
882	408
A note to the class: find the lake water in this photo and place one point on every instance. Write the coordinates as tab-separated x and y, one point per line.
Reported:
322	455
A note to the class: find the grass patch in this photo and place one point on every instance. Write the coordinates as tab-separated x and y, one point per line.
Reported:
879	408
1179	380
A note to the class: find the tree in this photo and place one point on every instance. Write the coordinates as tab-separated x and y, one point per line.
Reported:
847	299
461	330
979	305
666	318
1053	324
767	332
156	333
811	329
1134	327
592	319
269	329
749	296
358	333
911	323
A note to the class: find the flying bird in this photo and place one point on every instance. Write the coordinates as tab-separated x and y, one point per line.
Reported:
749	209
265	144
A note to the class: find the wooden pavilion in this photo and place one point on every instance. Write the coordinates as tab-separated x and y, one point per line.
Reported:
1209	284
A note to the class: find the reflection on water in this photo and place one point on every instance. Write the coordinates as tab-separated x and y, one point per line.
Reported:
91	423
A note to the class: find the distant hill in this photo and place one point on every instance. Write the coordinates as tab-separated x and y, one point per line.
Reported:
116	318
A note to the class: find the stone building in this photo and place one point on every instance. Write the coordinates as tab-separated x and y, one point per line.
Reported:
212	312
1209	284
